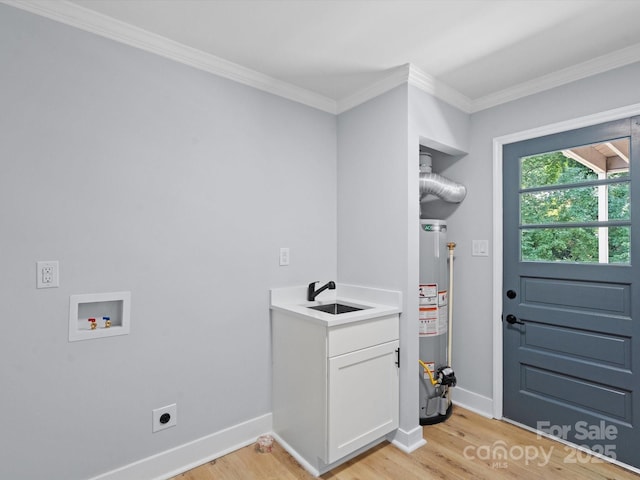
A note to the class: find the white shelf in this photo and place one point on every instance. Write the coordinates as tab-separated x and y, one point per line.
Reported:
115	305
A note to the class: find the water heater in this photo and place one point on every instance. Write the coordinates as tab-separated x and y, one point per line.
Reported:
436	376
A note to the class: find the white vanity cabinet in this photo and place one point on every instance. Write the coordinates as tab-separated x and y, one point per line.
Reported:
335	388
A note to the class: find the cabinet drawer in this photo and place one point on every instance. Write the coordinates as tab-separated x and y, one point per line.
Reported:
354	336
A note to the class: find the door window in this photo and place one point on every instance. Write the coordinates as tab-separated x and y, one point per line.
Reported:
575	205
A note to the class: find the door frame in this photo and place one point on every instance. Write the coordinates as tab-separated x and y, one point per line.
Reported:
498	143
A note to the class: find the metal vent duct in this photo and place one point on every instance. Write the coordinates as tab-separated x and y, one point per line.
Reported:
434	184
441	187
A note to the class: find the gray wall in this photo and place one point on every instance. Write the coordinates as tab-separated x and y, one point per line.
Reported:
473	342
436	124
373	208
372	192
378	205
141	174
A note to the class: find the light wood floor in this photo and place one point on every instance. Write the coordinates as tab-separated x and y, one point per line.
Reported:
460	448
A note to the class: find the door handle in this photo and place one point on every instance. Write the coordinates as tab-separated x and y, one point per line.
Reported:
511	319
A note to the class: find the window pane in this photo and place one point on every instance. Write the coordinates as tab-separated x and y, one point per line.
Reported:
619	201
576	205
579	245
551	195
575	165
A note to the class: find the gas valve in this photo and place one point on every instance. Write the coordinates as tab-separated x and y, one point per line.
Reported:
446	376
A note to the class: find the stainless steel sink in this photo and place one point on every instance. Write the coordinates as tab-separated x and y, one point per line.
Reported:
335	308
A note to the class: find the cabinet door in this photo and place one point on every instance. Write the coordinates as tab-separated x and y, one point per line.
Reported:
363	398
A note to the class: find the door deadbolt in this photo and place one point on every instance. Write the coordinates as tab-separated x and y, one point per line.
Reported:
511	294
511	319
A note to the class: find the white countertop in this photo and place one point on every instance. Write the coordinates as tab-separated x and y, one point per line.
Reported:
374	302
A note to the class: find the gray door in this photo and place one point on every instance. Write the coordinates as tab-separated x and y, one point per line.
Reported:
571	287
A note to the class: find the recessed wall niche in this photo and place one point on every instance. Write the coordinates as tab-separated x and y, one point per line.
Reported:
99	315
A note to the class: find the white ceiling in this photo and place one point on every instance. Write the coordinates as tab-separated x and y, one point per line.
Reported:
480	51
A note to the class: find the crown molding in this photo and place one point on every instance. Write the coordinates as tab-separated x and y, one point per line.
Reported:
438	89
91	21
412	75
617	59
397	76
94	22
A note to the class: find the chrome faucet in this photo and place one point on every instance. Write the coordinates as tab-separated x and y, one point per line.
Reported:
312	293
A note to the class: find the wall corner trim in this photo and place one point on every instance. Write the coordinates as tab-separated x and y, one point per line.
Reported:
407	441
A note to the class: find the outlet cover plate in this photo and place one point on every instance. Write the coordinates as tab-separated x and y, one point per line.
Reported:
47	274
171	410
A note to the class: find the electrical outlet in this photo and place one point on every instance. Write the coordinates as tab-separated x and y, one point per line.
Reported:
164	417
48	275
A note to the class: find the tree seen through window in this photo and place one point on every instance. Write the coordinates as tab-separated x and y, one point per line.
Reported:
574	204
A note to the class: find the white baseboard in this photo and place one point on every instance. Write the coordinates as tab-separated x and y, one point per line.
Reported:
407	441
170	463
292	451
472	401
177	460
322	467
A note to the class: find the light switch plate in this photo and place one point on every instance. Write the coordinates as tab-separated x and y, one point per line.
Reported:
284	256
480	248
